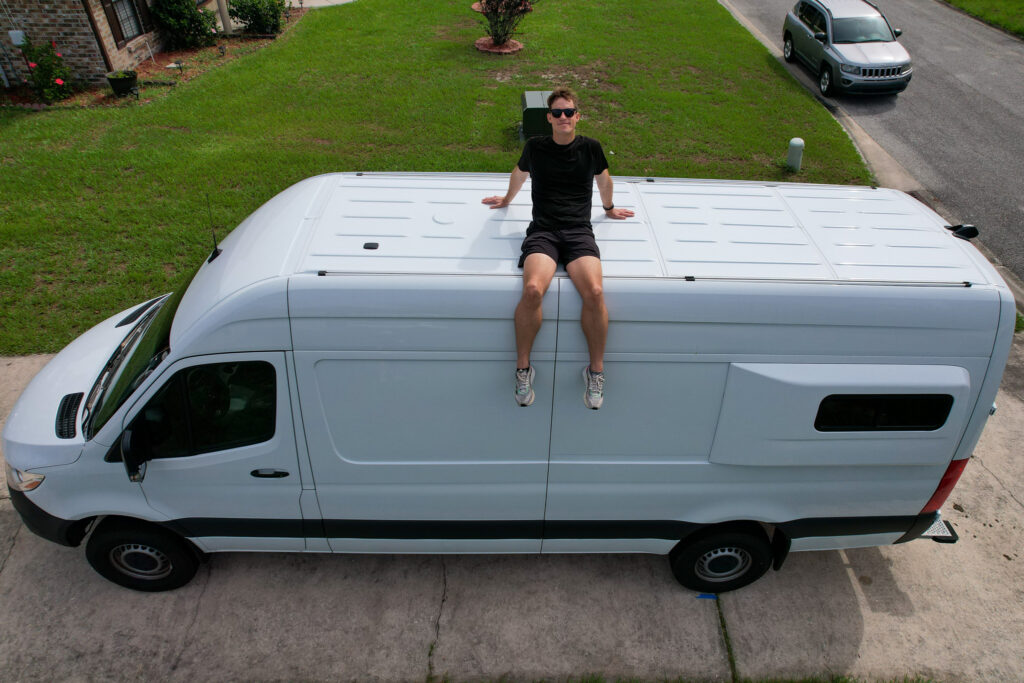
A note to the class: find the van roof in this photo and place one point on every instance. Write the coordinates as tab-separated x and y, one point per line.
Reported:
707	229
436	223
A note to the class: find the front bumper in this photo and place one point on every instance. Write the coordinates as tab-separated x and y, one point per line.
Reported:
856	84
42	523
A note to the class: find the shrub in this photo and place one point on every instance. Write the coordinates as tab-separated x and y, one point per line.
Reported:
502	17
258	16
49	77
182	25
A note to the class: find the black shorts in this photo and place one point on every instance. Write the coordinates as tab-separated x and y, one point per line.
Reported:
563	246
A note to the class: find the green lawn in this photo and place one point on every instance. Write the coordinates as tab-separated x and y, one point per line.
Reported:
103	208
1006	14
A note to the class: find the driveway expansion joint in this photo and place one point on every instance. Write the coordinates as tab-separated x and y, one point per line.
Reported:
726	641
437	621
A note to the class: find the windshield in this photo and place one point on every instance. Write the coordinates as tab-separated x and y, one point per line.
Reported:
138	355
861	30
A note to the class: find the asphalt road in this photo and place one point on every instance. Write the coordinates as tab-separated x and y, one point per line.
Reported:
959	127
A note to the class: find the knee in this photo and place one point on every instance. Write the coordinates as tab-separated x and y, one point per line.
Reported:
593	295
532	294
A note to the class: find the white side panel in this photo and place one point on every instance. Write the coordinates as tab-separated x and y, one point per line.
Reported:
841	542
769	409
431	546
220	544
410	415
655	546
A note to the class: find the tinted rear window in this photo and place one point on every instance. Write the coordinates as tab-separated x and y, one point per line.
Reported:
882	412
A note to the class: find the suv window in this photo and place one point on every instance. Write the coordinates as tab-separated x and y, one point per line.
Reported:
209	408
813	18
861	30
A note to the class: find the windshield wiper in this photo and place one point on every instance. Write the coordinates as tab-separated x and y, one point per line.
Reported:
99	389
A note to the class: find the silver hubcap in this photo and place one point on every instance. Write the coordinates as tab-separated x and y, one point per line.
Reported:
825	80
787	49
141	561
723	564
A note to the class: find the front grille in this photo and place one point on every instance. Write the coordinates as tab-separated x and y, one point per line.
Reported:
881	72
66	414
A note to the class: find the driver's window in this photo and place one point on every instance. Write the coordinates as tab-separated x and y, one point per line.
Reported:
208	408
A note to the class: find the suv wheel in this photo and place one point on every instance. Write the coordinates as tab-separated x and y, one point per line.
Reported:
787	48
825	84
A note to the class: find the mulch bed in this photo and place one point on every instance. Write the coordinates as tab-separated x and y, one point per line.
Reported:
156	79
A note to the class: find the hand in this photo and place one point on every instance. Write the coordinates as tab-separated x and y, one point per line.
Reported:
619	214
496	202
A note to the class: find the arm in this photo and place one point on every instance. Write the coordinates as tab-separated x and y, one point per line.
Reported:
515	183
604	187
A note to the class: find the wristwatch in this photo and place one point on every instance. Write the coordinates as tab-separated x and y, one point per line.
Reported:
608	208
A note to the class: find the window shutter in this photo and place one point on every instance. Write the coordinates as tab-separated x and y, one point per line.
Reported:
142	7
115	25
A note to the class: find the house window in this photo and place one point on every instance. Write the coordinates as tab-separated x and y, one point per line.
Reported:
128	17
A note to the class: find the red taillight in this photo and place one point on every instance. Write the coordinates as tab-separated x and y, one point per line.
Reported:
946	484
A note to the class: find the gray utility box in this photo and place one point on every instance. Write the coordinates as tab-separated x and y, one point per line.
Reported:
535	110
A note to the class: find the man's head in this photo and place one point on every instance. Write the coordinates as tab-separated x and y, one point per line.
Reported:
563	113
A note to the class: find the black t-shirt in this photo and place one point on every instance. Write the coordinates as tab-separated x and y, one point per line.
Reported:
562	180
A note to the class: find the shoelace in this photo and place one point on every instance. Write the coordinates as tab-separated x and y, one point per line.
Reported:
595	382
523	381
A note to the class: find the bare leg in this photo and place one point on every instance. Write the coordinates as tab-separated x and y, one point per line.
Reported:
585	273
538	269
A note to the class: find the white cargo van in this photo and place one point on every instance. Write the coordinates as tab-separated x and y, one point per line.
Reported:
790	367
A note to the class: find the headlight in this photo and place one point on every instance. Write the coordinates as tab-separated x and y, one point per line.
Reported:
850	69
23	481
906	68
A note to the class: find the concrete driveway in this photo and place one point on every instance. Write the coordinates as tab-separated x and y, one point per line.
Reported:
948	612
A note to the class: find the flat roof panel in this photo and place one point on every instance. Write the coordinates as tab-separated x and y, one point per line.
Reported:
436	223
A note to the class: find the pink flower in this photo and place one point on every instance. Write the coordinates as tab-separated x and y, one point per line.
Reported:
59	81
60	55
31	65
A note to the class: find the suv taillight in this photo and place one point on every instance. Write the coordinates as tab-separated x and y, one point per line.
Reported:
946	484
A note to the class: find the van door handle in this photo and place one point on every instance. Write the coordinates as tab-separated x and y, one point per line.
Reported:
269	473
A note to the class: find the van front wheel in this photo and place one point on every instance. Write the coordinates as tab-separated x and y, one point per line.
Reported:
141	556
721	561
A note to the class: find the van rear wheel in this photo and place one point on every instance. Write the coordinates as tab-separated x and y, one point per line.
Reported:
722	560
140	556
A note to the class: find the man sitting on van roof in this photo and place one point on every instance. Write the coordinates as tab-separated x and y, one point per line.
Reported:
564	168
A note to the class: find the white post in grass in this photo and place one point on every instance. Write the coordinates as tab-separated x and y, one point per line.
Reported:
796	154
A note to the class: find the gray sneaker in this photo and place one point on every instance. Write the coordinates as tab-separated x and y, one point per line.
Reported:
593	388
524	386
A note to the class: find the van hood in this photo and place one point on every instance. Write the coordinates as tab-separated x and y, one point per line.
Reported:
30	438
872	54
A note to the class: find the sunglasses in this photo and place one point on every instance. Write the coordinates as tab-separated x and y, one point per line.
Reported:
557	113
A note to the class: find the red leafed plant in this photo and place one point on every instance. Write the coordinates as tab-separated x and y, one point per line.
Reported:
501	17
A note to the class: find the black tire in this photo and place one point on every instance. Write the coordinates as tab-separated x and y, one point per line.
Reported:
721	561
826	81
787	48
141	556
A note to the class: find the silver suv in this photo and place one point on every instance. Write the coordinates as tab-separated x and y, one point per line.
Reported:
849	44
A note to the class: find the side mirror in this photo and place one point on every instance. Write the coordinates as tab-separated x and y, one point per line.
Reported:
897	32
964	232
820	37
134	463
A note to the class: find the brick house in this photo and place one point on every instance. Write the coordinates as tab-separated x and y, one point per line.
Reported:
94	36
